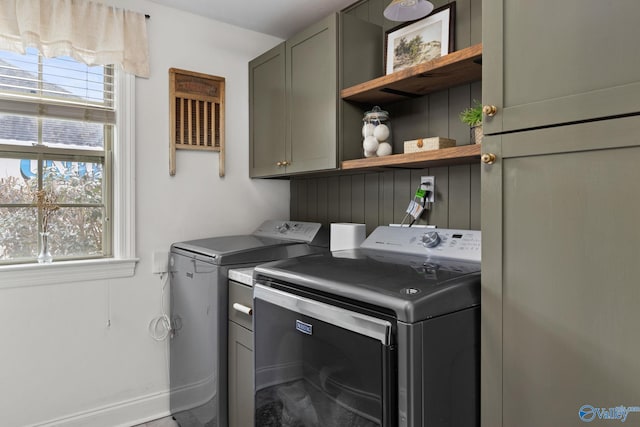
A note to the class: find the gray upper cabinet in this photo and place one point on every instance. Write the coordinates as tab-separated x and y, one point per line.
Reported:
295	114
312	73
553	62
267	112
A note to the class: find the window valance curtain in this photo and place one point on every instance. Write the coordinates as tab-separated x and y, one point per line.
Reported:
90	32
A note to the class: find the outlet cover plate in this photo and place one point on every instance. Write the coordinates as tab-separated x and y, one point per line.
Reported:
430	183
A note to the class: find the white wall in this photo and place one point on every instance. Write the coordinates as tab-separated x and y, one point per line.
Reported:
61	364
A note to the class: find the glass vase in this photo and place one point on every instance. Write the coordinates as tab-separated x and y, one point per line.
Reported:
44	257
376	133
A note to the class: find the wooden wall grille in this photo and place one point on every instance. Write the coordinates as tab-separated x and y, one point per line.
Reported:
197	124
197	114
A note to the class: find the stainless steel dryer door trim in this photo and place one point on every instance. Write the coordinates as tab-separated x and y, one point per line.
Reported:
352	321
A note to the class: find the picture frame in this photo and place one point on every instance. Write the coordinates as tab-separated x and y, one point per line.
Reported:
422	40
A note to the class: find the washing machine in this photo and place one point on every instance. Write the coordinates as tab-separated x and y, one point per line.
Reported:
199	292
383	335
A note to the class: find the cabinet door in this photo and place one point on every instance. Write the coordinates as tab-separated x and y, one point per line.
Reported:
240	376
312	94
267	107
560	269
549	62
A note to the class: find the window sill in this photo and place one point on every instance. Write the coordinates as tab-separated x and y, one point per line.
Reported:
14	276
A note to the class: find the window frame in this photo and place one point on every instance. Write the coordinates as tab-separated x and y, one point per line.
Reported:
122	261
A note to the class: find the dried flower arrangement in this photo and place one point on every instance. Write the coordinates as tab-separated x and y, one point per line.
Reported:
46	201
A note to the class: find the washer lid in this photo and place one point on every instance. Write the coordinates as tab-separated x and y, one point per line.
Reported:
274	239
242	248
414	288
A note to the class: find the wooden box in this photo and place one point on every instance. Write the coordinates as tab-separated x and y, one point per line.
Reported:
425	144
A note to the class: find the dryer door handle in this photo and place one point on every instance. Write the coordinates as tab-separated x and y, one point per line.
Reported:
350	320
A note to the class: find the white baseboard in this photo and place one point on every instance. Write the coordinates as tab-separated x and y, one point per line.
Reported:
126	413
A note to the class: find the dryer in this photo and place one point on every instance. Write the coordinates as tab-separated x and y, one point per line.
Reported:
199	293
384	335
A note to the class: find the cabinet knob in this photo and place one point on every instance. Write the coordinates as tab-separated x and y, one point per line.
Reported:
489	110
488	158
279	164
286	163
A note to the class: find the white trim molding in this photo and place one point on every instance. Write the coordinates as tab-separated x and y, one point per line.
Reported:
21	275
124	154
120	414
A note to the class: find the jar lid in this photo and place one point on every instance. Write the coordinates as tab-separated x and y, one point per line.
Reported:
376	113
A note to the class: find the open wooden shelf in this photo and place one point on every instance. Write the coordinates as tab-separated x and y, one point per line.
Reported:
456	68
462	154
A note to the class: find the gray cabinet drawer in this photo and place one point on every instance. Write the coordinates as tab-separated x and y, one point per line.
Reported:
240	376
242	296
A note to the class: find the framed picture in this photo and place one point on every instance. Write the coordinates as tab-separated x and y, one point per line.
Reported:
420	41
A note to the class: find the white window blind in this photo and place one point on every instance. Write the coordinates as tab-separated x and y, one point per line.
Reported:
62	88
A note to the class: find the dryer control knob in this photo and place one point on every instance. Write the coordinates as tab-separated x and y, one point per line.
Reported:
430	239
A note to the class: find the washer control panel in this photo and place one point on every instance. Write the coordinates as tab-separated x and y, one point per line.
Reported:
437	243
290	230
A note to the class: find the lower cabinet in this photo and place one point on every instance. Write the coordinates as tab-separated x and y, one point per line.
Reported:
560	294
240	357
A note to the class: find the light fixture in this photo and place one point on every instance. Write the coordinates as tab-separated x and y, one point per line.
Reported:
407	10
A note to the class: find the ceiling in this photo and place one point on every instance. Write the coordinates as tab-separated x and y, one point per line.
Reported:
280	18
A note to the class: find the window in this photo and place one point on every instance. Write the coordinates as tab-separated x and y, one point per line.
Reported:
57	137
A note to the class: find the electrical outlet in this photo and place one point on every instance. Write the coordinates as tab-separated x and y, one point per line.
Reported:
429	184
160	262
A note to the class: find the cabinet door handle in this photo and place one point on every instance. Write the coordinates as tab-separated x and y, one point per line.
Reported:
488	158
243	309
489	110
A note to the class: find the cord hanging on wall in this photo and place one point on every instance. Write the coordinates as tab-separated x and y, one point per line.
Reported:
197	114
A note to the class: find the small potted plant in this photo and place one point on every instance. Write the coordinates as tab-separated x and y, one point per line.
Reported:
473	117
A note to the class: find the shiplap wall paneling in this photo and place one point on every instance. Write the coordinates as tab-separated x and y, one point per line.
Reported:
303	196
372	211
357	199
372	11
333	199
344	202
312	198
402	194
380	198
323	204
460	205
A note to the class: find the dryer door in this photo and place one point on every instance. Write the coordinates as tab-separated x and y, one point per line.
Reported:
319	365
